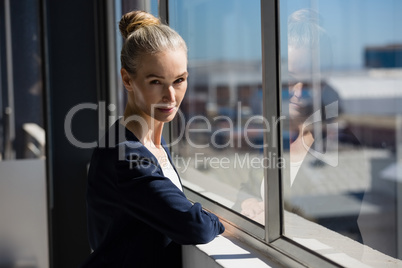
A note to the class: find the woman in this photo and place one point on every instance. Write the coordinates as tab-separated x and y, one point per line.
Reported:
137	213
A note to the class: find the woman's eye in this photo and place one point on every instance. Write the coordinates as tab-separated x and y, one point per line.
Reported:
155	82
178	81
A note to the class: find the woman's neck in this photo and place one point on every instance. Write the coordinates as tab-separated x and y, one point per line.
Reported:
300	146
145	128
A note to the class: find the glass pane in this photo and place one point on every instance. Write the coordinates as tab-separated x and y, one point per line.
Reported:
22	134
24	238
217	139
341	96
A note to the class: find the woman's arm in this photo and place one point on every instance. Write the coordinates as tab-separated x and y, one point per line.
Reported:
147	195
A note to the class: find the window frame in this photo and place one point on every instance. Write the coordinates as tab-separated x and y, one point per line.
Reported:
269	238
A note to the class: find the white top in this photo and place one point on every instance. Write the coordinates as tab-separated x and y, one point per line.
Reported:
294	168
169	172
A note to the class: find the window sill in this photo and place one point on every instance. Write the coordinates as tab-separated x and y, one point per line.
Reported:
335	246
224	251
229	251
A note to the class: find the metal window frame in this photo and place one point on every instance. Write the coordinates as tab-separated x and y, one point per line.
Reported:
9	152
271	108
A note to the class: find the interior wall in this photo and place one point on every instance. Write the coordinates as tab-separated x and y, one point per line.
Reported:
72	80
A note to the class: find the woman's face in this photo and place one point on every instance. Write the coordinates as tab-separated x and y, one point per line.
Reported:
299	67
159	85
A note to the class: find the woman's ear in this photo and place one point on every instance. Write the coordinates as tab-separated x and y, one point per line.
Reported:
125	76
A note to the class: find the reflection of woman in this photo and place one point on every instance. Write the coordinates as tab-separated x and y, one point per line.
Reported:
306	43
137	213
311	159
308	51
303	36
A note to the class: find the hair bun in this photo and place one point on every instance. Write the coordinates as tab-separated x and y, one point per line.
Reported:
135	20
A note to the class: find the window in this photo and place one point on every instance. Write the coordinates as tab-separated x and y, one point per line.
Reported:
22	134
23	189
217	139
341	81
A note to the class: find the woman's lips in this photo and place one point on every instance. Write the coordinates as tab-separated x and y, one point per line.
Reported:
167	110
298	102
295	104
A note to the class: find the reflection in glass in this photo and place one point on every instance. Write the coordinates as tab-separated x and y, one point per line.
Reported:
217	141
341	133
22	134
23	198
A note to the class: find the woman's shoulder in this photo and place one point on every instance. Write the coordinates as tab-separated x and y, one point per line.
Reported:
118	144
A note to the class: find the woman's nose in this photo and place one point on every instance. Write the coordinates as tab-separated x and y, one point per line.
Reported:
169	94
296	90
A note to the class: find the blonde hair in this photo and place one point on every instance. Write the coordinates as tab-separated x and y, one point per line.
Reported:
144	34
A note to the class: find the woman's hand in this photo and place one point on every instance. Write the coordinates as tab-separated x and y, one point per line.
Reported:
254	209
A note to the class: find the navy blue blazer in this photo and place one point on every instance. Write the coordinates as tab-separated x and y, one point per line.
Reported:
136	216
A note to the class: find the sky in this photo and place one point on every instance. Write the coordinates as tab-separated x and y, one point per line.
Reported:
230	29
219	29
